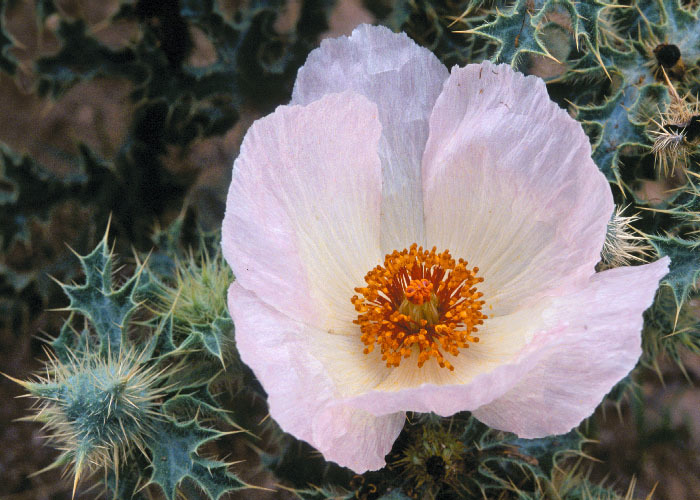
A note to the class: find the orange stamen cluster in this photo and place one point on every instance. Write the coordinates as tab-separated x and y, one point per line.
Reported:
419	301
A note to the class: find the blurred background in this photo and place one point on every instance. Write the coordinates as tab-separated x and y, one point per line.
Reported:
136	110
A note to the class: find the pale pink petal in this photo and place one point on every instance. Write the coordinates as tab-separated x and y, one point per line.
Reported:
300	392
601	321
302	216
600	345
404	80
498	345
510	186
405	392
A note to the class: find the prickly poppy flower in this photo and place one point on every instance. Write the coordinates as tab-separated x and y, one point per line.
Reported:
408	239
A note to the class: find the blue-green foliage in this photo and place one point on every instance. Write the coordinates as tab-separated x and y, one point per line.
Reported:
685	255
106	307
103	406
114	399
514	30
174	447
617	126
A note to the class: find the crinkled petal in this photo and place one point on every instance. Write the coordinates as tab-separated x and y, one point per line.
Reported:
299	391
404	80
510	186
587	341
600	345
302	217
405	392
497	346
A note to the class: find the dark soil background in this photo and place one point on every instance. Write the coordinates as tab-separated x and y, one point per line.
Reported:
654	440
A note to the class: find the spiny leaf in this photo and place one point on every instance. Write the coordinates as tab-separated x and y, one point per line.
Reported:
209	337
69	341
680	26
685	264
516	31
585	22
521	30
618	126
174	447
108	308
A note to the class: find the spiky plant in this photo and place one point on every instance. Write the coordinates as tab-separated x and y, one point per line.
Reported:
624	245
123	393
677	133
433	461
97	410
196	299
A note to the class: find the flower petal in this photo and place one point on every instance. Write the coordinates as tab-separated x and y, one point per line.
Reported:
302	217
404	80
404	390
602	321
600	345
510	186
299	391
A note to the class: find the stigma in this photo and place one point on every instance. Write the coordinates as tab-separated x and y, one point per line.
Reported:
419	303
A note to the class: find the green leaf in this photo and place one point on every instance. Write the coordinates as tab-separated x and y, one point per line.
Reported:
546	450
518	30
210	337
108	308
680	27
199	404
70	342
685	264
428	23
174	448
617	126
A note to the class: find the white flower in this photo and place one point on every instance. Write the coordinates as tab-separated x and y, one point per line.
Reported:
382	148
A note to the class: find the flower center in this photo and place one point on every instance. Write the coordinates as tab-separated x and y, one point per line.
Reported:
419	291
419	301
